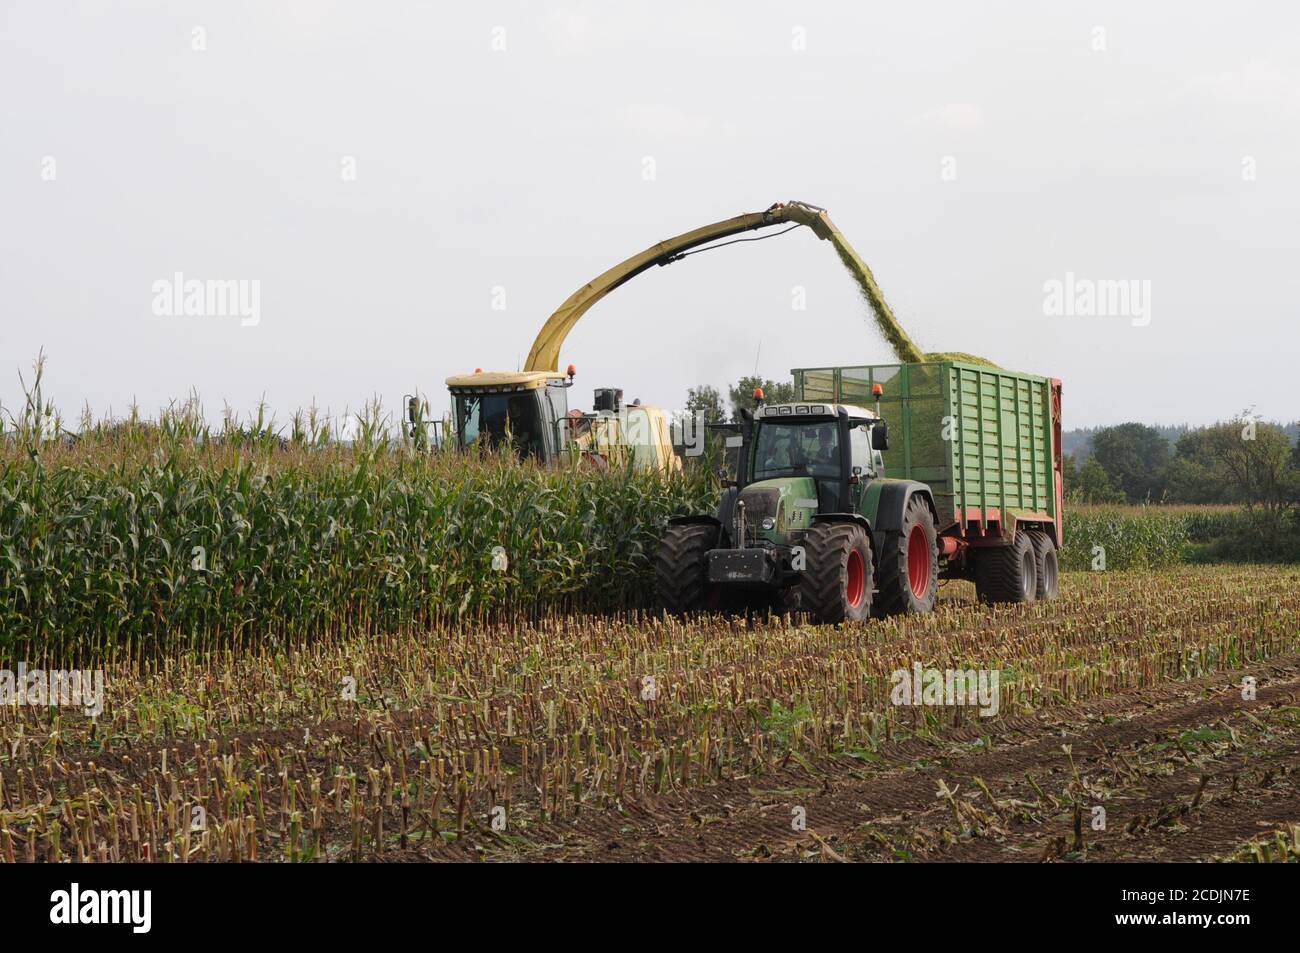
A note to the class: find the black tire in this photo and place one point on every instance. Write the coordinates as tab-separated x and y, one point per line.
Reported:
1049	577
901	566
837	580
681	569
1007	573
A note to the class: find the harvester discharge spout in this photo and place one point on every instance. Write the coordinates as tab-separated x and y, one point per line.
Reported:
545	352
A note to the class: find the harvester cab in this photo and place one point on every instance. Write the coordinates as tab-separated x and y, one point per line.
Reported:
810	522
518	409
528	411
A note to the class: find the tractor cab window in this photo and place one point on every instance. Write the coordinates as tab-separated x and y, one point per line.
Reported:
797	449
486	419
860	448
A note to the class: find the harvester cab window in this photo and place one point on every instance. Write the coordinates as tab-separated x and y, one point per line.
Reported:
521	416
797	449
488	417
468	418
557	398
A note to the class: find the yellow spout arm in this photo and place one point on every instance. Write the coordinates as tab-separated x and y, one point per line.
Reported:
545	353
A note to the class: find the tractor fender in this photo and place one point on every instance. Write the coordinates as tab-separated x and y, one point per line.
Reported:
895	497
857	518
726	507
701	519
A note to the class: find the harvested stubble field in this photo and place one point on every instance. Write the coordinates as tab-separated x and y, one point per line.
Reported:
1125	694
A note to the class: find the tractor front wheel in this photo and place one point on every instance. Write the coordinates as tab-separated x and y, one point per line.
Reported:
837	581
681	570
909	564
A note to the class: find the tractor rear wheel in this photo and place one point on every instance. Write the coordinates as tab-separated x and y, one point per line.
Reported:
681	569
837	582
1008	573
1049	582
909	564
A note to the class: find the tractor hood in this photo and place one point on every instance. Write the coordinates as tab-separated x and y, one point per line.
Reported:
775	508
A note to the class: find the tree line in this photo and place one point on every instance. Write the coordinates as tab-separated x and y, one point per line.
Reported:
1245	460
707	401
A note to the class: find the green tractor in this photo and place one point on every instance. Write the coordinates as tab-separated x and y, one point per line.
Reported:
810	522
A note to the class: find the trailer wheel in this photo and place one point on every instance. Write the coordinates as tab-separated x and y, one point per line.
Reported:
909	564
681	569
1007	573
1048	582
836	585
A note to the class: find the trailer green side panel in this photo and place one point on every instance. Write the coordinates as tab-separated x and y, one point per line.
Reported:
981	437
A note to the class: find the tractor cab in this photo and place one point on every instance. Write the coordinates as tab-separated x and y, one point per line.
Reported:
820	441
800	459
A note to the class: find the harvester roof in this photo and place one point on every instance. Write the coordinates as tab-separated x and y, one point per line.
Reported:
498	380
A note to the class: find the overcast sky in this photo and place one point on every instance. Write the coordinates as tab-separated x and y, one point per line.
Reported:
393	173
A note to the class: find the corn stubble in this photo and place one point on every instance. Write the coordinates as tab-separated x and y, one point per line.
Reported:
466	739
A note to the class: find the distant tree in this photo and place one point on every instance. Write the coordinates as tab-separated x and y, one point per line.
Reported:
742	393
1135	457
1190	480
1257	459
1196	474
1241	461
1070	475
1078	443
1095	485
706	400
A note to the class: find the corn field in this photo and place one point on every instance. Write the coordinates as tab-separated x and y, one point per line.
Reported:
139	539
1114	538
223	545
